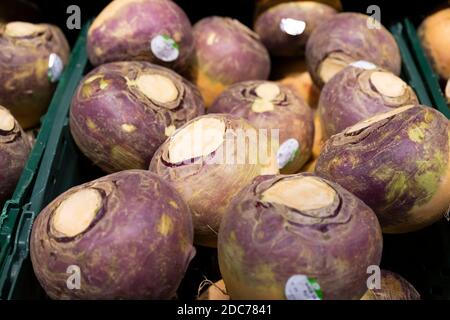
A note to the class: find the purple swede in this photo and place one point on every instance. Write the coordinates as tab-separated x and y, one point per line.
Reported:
397	162
356	94
226	52
346	38
32	58
126	236
285	229
123	111
209	160
156	31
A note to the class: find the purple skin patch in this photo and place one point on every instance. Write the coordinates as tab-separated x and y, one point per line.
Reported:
229	52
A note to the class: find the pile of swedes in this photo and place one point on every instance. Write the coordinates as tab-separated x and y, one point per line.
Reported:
203	149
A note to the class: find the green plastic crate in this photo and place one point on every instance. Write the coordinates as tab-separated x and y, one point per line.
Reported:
63	166
431	79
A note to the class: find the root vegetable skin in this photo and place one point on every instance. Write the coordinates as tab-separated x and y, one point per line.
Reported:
433	35
355	94
393	287
346	38
138	245
123	111
285	112
398	163
263	5
26	89
263	241
125	29
227	52
285	28
208	183
14	150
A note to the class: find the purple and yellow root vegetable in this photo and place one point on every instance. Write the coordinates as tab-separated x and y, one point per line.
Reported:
227	52
356	94
31	61
270	106
125	236
14	150
285	28
433	34
157	31
392	287
397	162
209	160
285	231
123	111
346	38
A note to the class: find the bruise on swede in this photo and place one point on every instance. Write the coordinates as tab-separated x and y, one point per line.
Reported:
25	49
392	287
397	162
345	38
206	163
433	34
267	105
355	94
123	111
125	28
226	52
285	28
130	234
14	150
286	225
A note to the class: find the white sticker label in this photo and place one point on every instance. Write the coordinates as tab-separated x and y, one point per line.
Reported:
363	65
292	27
164	48
287	152
55	67
300	287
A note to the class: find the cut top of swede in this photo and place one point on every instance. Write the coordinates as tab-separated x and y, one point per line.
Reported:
331	65
7	122
157	87
388	84
302	194
377	118
198	139
19	29
76	213
267	91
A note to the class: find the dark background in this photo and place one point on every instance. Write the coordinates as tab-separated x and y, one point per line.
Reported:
54	11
